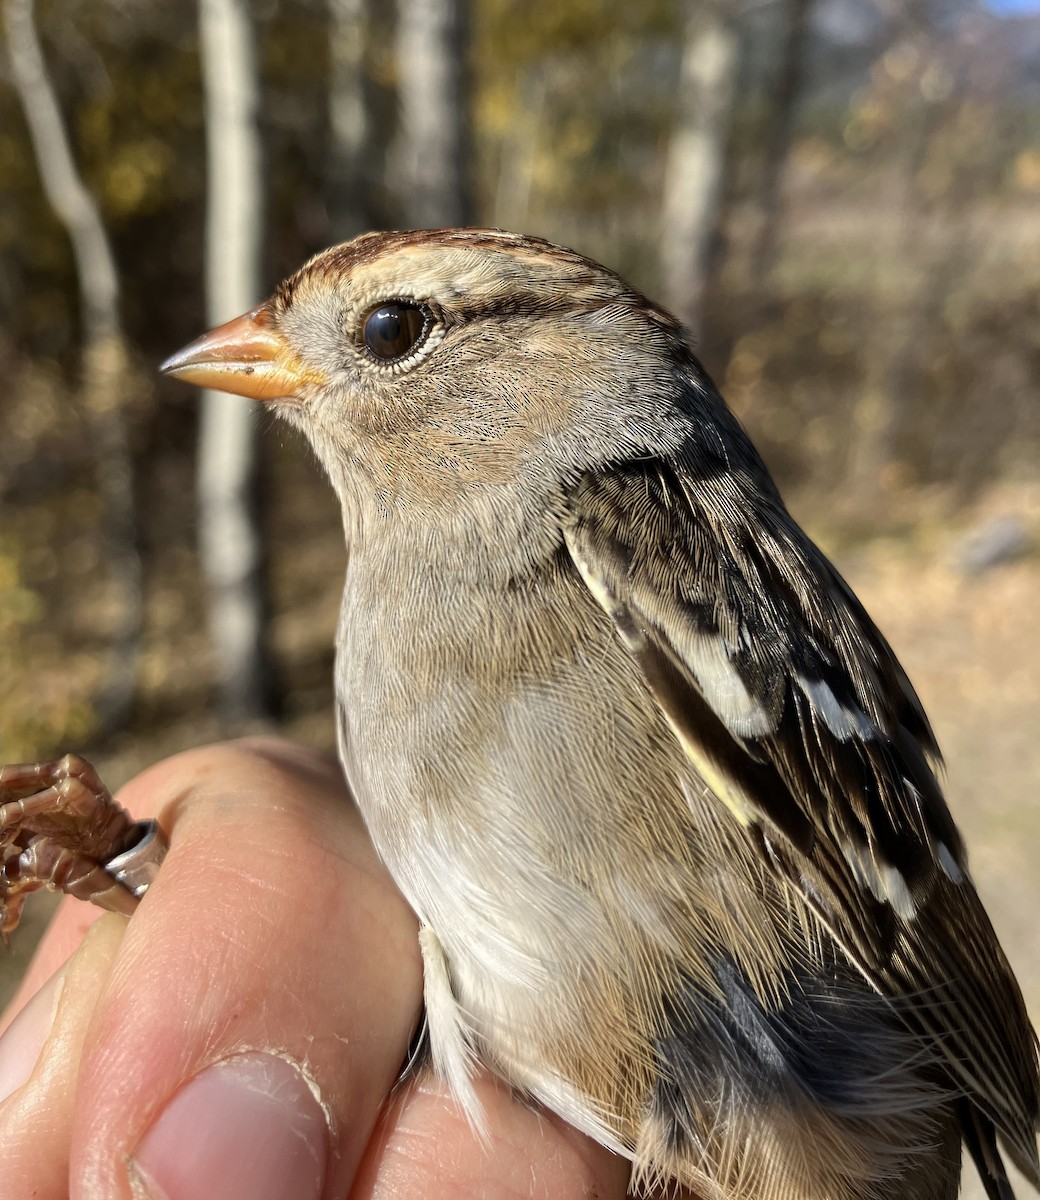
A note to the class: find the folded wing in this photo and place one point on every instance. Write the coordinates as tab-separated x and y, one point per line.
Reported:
793	709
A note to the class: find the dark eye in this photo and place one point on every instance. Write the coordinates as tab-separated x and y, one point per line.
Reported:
393	330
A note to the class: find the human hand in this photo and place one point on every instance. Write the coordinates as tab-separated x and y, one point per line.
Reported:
239	1036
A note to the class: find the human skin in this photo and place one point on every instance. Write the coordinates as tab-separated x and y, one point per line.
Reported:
272	963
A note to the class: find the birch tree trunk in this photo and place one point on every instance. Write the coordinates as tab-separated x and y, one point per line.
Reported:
349	174
433	85
230	545
105	367
695	163
891	376
783	101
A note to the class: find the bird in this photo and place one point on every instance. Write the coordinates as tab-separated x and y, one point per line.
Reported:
660	794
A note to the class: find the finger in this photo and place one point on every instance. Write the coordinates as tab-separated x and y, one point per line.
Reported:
263	997
60	940
424	1147
39	1063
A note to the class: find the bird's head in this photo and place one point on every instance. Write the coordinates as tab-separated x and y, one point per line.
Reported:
433	364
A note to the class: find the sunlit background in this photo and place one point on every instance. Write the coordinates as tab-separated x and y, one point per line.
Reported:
857	251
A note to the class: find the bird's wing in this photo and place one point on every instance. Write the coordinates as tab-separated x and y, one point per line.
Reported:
794	711
784	694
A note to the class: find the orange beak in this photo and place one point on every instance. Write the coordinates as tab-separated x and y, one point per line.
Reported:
246	356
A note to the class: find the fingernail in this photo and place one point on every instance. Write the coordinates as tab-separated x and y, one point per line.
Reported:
22	1042
249	1127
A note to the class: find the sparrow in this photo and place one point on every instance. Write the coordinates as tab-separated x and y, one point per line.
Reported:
659	792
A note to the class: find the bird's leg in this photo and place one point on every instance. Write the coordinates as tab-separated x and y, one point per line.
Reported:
61	829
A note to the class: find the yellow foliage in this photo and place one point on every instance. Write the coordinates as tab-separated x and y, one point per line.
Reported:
47	711
1025	172
134	176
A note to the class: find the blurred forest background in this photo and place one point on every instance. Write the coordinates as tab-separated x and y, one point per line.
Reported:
841	197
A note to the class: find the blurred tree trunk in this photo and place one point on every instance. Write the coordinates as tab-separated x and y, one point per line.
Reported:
230	544
781	102
106	360
433	85
518	155
696	157
349	174
888	402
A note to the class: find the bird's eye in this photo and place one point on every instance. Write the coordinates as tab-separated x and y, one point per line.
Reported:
395	329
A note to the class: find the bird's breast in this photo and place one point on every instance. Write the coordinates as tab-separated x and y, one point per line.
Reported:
587	890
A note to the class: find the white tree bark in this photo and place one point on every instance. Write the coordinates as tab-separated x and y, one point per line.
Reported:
349	175
694	168
432	38
782	102
230	545
105	355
